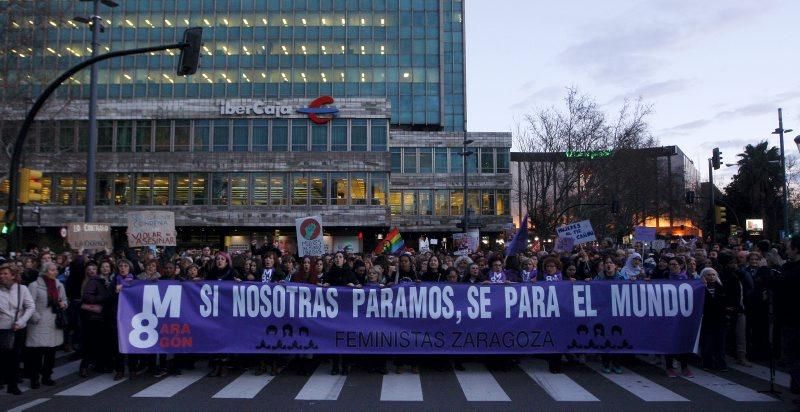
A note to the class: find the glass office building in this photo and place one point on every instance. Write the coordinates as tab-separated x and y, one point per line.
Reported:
392	156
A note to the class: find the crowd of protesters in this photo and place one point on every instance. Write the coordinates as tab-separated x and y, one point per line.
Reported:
68	301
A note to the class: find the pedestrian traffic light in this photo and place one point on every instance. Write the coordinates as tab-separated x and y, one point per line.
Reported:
716	158
719	215
689	197
190	52
30	186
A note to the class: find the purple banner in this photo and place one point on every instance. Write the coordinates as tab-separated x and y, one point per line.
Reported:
424	318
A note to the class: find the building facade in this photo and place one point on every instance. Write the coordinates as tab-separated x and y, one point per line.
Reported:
231	149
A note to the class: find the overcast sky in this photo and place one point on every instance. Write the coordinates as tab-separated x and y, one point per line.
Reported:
714	71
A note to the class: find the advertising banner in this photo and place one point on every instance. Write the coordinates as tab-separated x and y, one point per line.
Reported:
426	318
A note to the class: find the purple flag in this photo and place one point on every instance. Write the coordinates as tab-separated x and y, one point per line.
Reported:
520	239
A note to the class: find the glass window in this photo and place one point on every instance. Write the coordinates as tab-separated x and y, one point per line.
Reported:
162	135
124	136
456	203
199	189
104	190
456	165
487	160
425	160
472	161
239	189
260	133
277	189
395	201
299	189
474	200
425	200
47	189
122	189
503	203
260	189
181	185
64	190
221	136
80	190
181	135
105	135
219	189
441	206
409	160
66	137
201	135
319	137
502	160
358	135
409	202
299	135
280	136
441	160
396	159
378	189
240	132
339	135
487	202
83	136
378	136
161	190
143	189
144	137
358	188
318	190
339	188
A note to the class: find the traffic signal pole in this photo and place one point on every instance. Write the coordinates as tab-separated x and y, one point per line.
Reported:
16	156
711	200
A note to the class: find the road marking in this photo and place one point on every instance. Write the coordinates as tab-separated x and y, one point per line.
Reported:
60	354
405	387
29	405
559	386
322	386
246	386
168	387
640	386
479	385
92	386
66	369
761	372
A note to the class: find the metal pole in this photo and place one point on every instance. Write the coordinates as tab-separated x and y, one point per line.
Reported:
464	164
711	199
785	182
92	150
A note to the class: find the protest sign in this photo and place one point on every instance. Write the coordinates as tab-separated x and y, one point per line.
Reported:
581	231
309	236
644	234
565	244
466	243
151	228
92	236
661	317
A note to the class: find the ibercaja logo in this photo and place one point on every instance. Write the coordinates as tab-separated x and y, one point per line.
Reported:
318	110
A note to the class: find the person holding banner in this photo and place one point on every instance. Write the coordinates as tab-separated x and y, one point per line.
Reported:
434	273
610	273
552	273
95	303
340	275
221	271
633	269
271	273
530	273
677	271
712	331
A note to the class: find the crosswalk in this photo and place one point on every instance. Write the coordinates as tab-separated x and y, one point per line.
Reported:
477	383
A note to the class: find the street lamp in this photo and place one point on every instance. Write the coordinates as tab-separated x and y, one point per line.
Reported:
465	153
95	23
780	131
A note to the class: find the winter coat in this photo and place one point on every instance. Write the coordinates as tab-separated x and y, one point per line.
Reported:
340	276
42	331
8	306
99	292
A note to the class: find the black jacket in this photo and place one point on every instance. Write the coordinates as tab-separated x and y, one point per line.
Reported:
340	276
216	273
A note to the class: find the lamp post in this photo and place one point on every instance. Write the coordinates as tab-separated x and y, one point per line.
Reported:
465	155
95	23
780	131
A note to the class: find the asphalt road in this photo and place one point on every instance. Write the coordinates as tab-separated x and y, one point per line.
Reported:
525	385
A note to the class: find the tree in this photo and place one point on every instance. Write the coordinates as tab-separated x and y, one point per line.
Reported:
756	190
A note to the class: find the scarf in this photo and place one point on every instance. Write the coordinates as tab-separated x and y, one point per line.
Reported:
52	291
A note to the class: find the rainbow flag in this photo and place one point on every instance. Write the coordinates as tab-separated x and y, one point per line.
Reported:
393	243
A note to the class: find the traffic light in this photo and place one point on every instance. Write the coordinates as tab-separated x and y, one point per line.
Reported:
190	53
30	186
716	158
719	215
689	197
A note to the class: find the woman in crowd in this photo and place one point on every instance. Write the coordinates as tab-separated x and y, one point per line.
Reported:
18	307
633	269
250	272
552	273
271	273
677	271
610	273
434	273
305	274
289	266
496	273
405	271
44	335
474	274
340	275
96	302
150	271
530	273
222	271
122	278
712	331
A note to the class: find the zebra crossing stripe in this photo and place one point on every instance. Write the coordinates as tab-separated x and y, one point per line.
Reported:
66	369
558	385
168	387
640	386
92	386
406	387
246	386
29	405
322	386
761	372
479	385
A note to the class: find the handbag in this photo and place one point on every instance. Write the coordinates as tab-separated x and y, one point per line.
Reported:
7	335
92	307
61	318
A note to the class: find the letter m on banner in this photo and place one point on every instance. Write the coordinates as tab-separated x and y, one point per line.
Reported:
153	303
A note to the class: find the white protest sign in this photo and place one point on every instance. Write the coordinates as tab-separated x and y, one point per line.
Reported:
92	236
581	231
151	228
310	240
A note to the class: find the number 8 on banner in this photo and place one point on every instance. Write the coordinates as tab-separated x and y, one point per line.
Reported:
143	324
